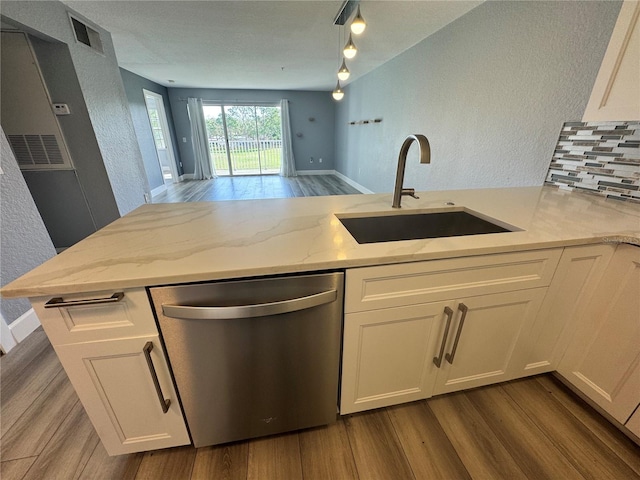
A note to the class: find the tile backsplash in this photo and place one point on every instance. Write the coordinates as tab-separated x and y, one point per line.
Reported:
601	158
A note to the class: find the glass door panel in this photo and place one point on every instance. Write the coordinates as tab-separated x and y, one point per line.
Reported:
216	131
244	139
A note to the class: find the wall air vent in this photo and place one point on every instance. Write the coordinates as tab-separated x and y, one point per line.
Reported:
38	150
26	114
86	35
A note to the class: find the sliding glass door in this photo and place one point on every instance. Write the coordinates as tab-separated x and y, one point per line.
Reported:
244	139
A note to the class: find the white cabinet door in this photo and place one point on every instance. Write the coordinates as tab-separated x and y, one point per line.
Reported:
633	424
603	357
576	279
388	355
615	94
491	340
116	386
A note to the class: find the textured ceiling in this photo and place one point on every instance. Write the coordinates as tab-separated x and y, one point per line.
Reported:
259	44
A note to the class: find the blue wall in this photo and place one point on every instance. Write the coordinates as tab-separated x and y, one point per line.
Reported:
490	90
311	138
133	85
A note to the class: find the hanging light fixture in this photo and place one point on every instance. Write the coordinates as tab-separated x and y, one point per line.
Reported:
337	93
350	49
344	72
358	24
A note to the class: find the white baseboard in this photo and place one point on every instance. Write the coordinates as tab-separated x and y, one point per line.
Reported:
316	172
354	184
24	325
7	340
186	176
158	190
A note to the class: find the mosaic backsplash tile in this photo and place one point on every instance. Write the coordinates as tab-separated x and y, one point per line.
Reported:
602	158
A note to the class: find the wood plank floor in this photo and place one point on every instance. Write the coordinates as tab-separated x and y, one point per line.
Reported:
533	428
254	187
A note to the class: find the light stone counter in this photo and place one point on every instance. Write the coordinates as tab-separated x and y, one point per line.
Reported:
188	242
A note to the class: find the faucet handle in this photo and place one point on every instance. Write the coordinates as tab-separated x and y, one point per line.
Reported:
411	192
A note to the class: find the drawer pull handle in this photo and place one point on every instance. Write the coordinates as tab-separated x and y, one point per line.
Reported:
438	360
449	356
59	302
154	376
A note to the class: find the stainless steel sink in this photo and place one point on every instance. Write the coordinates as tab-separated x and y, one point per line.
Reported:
413	226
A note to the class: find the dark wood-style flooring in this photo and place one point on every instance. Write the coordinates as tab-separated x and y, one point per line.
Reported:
254	187
531	429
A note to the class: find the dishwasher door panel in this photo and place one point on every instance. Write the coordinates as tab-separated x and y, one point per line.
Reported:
247	377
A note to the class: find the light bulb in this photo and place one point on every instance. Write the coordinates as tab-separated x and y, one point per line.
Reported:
344	72
358	24
350	49
338	93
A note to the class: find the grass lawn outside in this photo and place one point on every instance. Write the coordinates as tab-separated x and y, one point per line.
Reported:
244	160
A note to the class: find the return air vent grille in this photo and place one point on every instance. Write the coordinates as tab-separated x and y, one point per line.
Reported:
41	150
86	35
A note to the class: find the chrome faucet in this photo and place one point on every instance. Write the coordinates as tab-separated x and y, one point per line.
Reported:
425	157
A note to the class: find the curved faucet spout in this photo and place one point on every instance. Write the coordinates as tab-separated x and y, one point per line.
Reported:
425	157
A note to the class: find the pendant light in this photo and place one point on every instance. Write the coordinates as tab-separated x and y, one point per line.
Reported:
338	93
344	72
358	24
350	49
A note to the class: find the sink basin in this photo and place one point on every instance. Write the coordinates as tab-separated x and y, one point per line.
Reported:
413	226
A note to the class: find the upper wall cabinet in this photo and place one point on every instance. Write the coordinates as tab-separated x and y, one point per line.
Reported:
616	92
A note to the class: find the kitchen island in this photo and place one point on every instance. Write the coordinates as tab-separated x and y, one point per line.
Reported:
523	294
163	244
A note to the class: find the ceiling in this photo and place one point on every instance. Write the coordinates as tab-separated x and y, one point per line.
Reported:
288	45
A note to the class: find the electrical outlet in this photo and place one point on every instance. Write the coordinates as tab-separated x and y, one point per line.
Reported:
320	160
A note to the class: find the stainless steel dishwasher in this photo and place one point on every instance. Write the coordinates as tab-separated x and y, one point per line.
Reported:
254	357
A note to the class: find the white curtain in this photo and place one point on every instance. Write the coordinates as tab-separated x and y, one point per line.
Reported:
204	168
288	163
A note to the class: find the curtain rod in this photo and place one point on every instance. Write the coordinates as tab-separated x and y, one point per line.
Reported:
233	102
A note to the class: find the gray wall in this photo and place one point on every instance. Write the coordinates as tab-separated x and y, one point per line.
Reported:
99	79
24	242
317	137
491	91
133	85
73	204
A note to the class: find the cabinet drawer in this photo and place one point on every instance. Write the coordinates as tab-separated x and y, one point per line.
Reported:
119	317
387	286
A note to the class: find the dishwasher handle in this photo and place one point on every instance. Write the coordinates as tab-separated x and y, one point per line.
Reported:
248	311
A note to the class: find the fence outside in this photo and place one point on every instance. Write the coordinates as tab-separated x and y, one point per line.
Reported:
247	156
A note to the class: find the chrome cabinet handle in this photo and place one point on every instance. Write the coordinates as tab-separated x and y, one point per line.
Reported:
438	360
248	311
449	356
154	376
59	302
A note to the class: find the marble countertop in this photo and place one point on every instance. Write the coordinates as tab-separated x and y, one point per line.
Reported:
162	244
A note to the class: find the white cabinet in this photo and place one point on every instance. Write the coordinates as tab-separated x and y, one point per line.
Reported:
109	346
387	355
615	94
492	345
603	356
396	317
117	387
575	281
633	424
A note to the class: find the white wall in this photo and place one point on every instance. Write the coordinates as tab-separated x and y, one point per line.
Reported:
491	91
104	95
